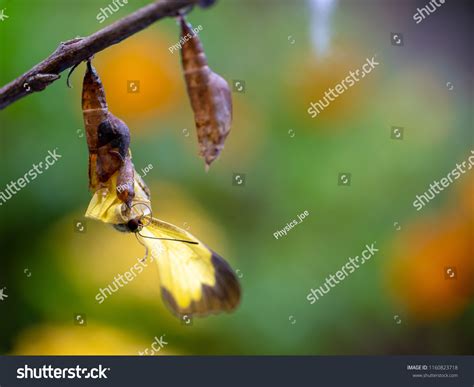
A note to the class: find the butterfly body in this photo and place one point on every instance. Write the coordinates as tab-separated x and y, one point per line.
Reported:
133	225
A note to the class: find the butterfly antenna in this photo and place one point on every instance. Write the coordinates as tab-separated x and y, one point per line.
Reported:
169	239
146	249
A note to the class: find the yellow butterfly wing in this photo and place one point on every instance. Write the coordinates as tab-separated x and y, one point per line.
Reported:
107	207
194	279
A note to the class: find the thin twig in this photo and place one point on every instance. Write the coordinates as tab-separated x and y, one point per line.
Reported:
77	50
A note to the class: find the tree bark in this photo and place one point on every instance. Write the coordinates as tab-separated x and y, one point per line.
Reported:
77	50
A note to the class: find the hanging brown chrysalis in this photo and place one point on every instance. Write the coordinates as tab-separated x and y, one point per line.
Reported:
108	139
209	94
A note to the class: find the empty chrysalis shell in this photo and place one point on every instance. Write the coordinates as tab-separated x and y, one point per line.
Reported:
108	139
209	94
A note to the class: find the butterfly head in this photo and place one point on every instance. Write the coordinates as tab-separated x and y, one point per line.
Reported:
134	221
135	225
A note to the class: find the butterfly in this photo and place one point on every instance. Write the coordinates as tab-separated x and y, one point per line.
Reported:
195	281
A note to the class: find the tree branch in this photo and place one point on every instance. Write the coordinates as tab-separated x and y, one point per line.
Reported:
77	50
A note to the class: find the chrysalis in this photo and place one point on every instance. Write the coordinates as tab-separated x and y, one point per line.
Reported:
209	94
108	139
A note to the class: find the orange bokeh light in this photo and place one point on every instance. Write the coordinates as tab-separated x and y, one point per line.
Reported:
142	79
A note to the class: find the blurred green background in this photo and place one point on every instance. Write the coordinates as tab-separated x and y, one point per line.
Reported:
288	53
